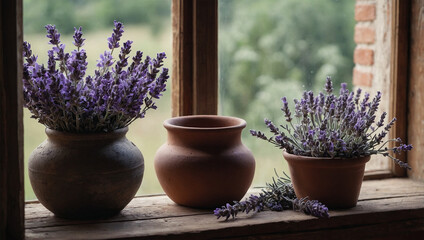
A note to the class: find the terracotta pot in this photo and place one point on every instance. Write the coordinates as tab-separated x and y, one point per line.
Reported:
82	176
204	164
335	182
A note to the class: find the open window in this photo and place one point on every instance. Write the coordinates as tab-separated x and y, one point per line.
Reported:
195	91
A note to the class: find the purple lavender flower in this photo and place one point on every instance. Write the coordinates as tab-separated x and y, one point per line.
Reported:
364	103
77	64
53	34
390	124
400	163
78	40
113	41
27	53
123	59
27	50
106	60
258	134
343	89
311	207
63	98
159	86
402	148
286	109
375	103
253	203
329	85
278	196
381	122
357	96
272	127
333	126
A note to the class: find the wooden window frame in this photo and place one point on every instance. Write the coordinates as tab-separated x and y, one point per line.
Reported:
399	71
194	91
195	52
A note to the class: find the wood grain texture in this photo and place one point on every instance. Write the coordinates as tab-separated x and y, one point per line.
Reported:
416	91
195	53
205	56
182	65
11	128
386	208
378	174
400	13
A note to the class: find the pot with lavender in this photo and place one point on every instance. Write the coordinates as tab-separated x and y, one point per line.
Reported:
328	140
87	168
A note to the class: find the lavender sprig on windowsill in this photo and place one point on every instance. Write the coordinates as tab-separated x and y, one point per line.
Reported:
334	126
278	196
62	98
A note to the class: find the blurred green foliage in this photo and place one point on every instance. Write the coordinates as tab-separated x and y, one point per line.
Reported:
93	14
274	48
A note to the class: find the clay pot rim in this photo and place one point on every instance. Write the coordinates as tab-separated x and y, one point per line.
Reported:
171	123
327	161
90	135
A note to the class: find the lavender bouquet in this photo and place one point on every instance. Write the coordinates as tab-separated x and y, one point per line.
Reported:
62	98
334	126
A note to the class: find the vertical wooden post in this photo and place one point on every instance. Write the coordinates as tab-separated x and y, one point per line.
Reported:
416	90
205	56
195	53
11	127
399	74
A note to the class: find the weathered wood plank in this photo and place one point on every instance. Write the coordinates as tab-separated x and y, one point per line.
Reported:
416	91
207	227
157	217
143	208
139	209
413	229
11	128
392	187
378	174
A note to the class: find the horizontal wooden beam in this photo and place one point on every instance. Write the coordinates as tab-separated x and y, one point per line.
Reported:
378	174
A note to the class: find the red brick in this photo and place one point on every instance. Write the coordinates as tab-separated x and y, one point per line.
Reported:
365	12
364	34
361	78
363	56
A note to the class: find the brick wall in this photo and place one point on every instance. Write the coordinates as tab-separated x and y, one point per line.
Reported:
372	56
363	57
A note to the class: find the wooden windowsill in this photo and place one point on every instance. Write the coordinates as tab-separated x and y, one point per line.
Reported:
389	208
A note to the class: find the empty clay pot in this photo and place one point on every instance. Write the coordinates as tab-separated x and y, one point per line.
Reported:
335	182
204	164
83	176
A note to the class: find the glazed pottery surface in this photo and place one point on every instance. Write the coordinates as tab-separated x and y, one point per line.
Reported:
83	176
204	164
334	182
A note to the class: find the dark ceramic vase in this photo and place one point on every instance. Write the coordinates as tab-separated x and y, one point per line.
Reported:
335	182
204	164
86	176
